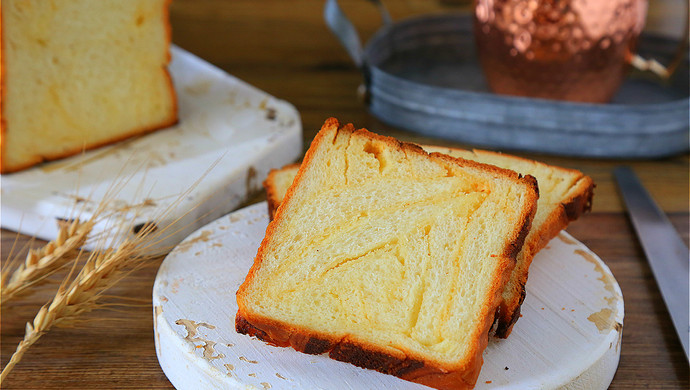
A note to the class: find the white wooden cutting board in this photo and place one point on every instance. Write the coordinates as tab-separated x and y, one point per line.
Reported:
229	136
568	336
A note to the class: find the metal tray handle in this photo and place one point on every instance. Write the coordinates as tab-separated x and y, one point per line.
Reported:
346	32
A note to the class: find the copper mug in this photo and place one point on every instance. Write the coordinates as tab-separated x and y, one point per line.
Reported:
576	50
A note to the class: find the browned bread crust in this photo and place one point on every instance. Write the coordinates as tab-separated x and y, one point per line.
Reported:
273	199
569	210
350	351
404	364
172	120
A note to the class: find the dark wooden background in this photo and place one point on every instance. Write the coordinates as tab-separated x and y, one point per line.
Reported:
284	48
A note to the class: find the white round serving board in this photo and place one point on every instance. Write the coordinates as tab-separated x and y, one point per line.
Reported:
567	337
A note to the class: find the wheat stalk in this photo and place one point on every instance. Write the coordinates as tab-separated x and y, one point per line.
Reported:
102	270
44	261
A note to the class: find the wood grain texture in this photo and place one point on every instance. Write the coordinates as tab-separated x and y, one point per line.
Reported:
284	48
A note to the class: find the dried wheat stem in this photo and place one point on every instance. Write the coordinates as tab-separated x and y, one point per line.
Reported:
102	270
44	261
30	337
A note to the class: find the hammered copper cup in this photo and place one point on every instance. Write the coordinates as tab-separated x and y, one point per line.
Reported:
576	50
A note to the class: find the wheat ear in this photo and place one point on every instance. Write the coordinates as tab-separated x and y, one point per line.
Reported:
44	261
102	270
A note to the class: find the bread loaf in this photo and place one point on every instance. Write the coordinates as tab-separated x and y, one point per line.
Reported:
388	258
77	74
564	195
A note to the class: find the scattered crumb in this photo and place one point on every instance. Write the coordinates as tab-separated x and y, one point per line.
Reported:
198	88
204	236
488	381
602	318
197	253
563	308
266	385
572	309
280	376
252	184
244	359
230	345
506	368
542	308
271	114
252	374
175	286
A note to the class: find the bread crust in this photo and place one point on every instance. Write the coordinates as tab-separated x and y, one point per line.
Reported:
558	219
345	350
403	364
272	198
172	120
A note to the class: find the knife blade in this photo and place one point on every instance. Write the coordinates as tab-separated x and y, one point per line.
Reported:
666	253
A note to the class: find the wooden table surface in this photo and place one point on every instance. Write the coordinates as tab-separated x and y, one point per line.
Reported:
284	48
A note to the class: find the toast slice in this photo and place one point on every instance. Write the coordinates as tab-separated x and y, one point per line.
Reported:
388	258
276	185
565	194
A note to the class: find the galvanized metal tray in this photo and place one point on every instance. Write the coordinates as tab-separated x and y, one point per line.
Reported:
422	75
